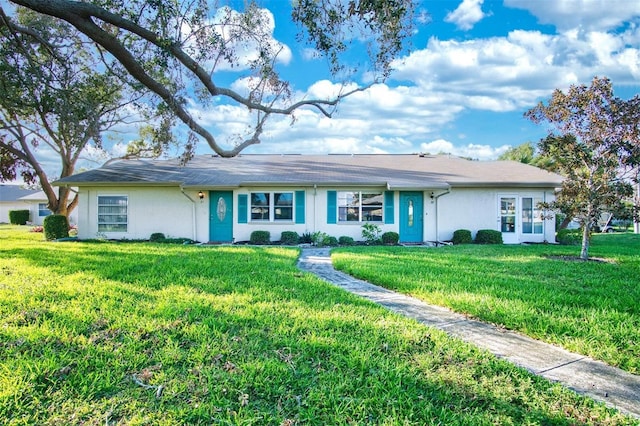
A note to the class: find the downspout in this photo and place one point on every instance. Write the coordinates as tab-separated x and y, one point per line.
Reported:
315	195
437	216
193	214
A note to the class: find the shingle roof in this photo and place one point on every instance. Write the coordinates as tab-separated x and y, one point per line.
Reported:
13	192
395	171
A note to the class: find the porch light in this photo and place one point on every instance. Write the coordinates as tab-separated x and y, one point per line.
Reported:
201	195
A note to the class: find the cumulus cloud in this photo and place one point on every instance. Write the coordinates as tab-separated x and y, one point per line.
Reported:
468	13
478	152
587	14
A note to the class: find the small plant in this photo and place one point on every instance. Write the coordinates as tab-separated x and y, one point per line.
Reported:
306	238
18	217
569	237
319	237
157	237
390	238
38	228
260	237
462	236
371	233
488	236
346	241
56	226
289	238
330	241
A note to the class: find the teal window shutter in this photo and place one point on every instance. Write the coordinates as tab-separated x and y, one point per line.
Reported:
332	206
300	202
242	208
388	206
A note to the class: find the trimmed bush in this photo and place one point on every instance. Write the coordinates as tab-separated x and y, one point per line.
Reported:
488	236
390	238
462	236
289	238
56	226
346	241
260	237
569	237
157	237
18	217
330	241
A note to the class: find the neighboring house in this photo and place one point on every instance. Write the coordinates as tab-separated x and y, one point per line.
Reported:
37	205
212	199
10	199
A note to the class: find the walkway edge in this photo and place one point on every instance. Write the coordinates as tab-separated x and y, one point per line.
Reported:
616	388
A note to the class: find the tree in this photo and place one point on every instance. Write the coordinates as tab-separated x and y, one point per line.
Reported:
528	153
594	140
52	101
179	51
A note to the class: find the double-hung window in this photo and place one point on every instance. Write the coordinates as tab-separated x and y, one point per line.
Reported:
271	206
358	206
532	221
43	210
112	213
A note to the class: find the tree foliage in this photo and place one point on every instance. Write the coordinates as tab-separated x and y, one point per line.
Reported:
594	140
179	51
528	153
54	101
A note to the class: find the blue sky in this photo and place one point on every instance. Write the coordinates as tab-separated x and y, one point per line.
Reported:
472	72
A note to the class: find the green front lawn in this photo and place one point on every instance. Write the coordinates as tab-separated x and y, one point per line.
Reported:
140	333
591	308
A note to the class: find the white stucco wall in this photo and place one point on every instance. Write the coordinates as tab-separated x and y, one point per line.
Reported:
6	207
168	210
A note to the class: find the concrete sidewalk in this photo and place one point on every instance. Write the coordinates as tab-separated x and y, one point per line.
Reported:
584	375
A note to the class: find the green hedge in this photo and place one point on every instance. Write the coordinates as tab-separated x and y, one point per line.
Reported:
488	236
569	237
390	238
462	236
18	217
289	238
260	237
346	241
56	226
157	237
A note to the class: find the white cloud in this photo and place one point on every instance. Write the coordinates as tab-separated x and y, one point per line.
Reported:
479	152
587	14
468	13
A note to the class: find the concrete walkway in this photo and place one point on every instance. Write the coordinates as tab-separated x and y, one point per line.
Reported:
584	375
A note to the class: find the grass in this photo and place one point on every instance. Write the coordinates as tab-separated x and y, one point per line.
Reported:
588	307
141	333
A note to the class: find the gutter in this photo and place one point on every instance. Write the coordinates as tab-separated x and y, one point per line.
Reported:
194	228
437	216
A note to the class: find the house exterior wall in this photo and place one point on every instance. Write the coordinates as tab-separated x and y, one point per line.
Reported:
6	207
183	214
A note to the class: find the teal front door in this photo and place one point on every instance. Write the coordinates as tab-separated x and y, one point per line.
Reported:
411	217
221	216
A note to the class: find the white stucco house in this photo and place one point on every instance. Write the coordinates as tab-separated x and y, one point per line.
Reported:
37	205
212	199
11	199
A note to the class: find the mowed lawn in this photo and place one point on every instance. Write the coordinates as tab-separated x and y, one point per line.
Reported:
139	333
592	308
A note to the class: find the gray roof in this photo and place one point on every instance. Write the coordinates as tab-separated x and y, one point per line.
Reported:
13	192
394	171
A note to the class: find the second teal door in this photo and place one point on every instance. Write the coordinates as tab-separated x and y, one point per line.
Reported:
411	217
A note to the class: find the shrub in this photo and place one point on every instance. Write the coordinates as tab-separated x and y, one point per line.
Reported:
37	228
319	237
569	237
18	217
462	236
390	238
56	226
260	237
157	237
330	241
488	236
290	238
346	241
371	233
306	238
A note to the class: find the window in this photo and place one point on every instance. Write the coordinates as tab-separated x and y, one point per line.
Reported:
532	222
43	210
508	214
112	213
359	206
271	206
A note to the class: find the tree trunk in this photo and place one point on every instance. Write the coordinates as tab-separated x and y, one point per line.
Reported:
584	252
565	223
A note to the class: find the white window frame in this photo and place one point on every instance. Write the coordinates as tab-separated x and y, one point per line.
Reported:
537	215
271	206
342	203
117	223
